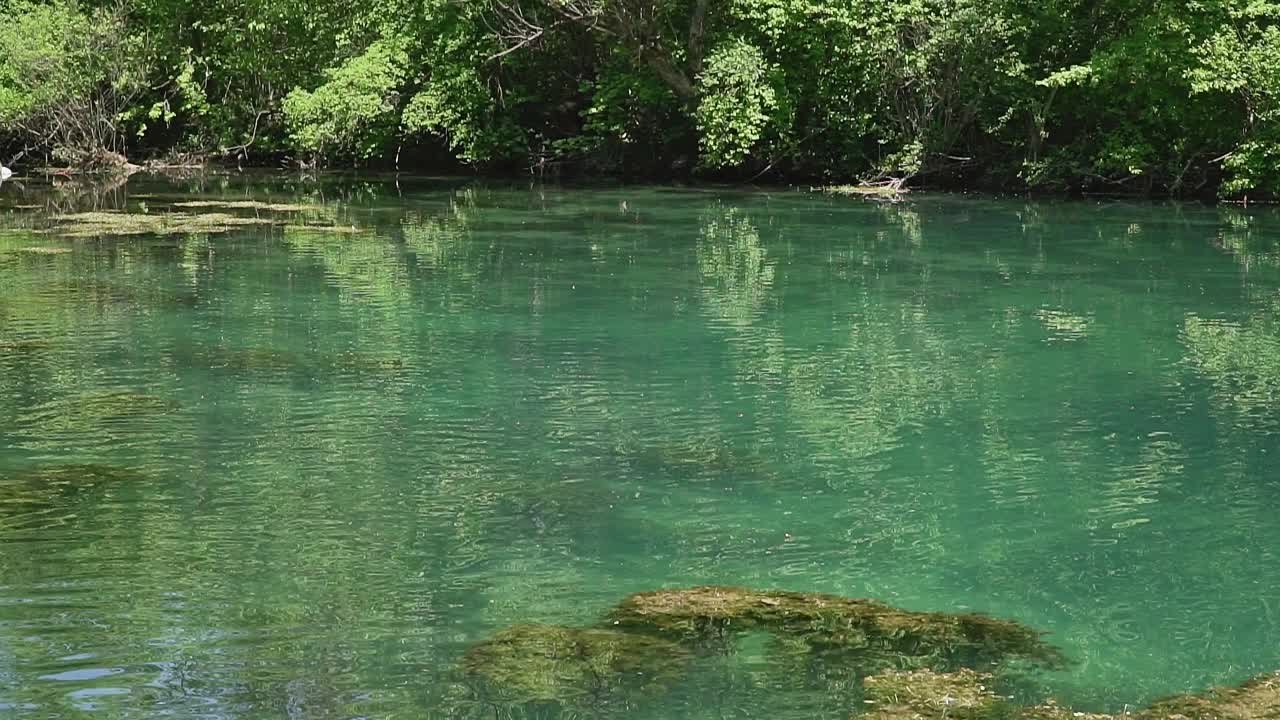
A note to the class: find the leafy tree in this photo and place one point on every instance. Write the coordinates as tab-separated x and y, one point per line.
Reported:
738	103
68	77
1241	60
354	111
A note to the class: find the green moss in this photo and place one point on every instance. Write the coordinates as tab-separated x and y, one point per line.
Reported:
552	663
875	635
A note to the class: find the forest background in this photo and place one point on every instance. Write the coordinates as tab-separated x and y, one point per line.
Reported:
1172	97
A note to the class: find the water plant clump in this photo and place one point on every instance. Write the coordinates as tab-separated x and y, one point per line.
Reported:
79	475
100	224
27	488
927	695
250	205
572	666
1255	699
875	635
122	404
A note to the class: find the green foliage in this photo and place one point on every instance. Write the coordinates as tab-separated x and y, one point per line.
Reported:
354	111
1114	95
457	106
68	77
738	103
41	63
1242	62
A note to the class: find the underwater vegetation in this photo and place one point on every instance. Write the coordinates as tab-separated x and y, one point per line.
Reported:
967	695
26	493
647	640
266	361
928	695
248	205
197	217
571	665
98	224
1255	699
875	635
910	665
94	414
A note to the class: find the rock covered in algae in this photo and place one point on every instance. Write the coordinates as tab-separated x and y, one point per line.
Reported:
1051	710
927	695
529	663
885	636
1256	699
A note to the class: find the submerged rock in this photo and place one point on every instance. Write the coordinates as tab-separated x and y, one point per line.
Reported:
876	635
1256	699
572	666
927	695
892	664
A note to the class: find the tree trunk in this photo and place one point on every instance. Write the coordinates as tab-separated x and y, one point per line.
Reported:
697	34
674	77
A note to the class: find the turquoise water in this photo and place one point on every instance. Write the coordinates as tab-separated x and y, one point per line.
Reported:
323	463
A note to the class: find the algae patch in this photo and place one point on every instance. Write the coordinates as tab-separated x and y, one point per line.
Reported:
25	493
874	635
41	250
532	663
249	205
927	695
100	224
1256	699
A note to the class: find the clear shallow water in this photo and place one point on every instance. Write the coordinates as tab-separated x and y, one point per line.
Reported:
324	464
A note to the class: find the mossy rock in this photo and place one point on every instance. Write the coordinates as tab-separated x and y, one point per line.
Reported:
572	666
1256	699
1051	710
927	695
883	636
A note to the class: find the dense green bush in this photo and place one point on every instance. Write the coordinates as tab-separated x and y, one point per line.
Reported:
1117	95
69	78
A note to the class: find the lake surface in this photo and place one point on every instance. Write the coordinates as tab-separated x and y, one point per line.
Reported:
296	468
